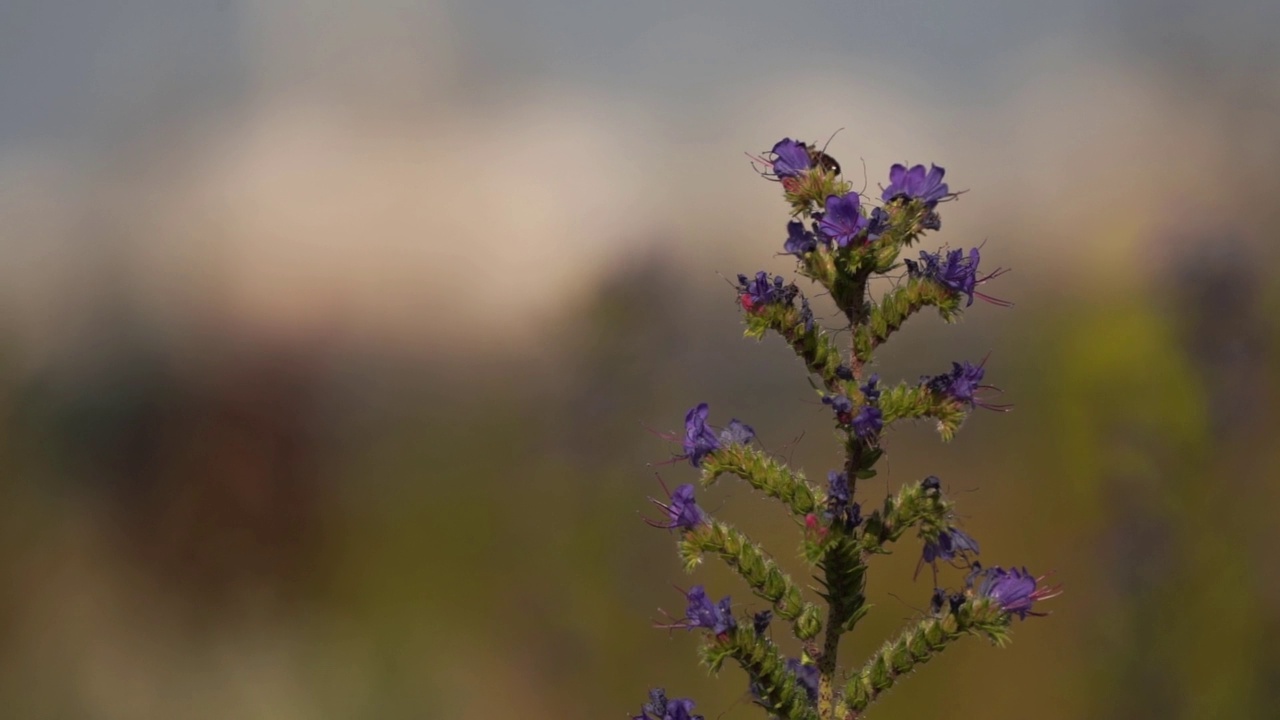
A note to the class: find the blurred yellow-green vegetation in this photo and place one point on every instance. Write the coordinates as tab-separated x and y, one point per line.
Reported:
335	342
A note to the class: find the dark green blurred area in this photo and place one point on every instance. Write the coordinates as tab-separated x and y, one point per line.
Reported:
198	528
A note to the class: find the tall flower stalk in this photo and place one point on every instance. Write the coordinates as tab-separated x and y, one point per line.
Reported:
842	241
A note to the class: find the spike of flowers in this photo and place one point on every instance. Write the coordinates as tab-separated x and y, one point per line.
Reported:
682	512
949	544
700	438
841	242
660	708
841	508
1015	590
755	293
957	272
961	385
702	613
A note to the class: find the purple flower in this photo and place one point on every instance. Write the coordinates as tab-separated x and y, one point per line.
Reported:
956	273
799	240
961	383
1015	590
843	219
806	677
842	406
702	613
790	158
916	184
682	512
950	543
840	506
699	440
869	390
806	314
868	422
737	433
877	223
660	708
760	621
763	290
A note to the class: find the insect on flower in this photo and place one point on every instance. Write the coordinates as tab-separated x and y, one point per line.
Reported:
791	158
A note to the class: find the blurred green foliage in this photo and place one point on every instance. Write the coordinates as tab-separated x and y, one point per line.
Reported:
466	541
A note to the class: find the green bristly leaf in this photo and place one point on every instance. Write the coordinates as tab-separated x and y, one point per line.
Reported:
764	474
844	582
761	573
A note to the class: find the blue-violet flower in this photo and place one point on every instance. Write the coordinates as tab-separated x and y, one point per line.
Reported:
790	158
843	220
682	512
1015	589
916	184
660	708
799	240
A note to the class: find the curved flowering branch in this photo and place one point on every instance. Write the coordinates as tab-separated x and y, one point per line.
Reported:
761	573
913	648
984	610
916	504
770	305
764	474
780	690
896	307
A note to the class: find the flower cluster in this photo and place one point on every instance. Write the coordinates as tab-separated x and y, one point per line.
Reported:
950	543
841	509
869	420
660	708
700	439
1016	590
755	293
682	510
956	272
702	613
960	384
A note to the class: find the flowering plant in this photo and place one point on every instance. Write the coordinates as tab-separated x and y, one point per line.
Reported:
841	245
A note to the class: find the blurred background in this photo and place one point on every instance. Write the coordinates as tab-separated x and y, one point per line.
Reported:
332	336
